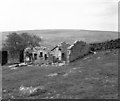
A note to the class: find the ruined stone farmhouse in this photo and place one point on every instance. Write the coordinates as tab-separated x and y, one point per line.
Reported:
69	53
62	52
36	54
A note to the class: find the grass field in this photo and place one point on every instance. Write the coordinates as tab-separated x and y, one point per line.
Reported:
93	77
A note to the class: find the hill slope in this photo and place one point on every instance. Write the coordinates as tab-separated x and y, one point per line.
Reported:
93	77
53	37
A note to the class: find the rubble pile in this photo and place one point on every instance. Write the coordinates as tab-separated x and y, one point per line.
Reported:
31	91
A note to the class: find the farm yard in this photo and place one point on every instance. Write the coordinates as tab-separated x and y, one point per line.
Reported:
93	77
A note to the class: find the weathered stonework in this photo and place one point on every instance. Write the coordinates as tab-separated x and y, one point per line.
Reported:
60	52
77	50
36	55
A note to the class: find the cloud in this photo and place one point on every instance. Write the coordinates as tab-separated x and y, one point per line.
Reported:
58	14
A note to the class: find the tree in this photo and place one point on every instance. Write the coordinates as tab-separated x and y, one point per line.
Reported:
17	42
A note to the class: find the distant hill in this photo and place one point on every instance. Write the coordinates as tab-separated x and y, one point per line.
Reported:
53	37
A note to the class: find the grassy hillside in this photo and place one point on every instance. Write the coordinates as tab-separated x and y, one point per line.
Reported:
53	37
93	77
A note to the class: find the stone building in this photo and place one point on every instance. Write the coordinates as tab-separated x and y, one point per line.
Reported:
77	50
70	53
60	52
36	54
8	58
39	55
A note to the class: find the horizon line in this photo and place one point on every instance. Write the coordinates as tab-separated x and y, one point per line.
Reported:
57	29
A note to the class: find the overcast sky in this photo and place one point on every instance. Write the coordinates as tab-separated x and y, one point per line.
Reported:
58	14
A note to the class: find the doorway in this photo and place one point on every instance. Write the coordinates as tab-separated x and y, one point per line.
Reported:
21	56
63	57
45	56
4	57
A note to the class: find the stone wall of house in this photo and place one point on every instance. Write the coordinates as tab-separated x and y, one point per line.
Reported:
56	52
78	50
64	47
14	58
50	58
37	55
60	52
40	61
